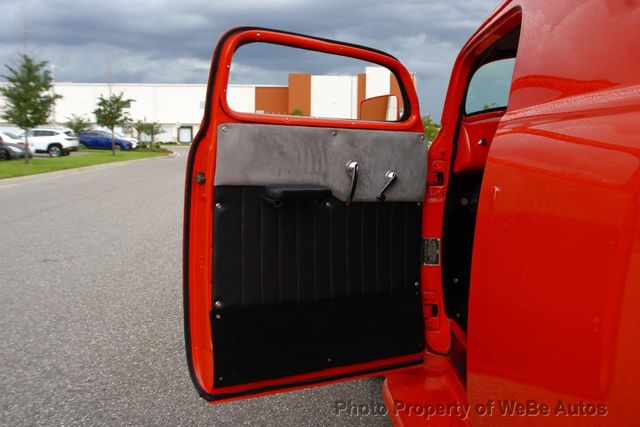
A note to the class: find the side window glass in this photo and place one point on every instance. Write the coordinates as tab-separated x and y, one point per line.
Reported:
280	80
489	87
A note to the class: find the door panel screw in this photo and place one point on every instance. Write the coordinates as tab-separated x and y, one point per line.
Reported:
200	178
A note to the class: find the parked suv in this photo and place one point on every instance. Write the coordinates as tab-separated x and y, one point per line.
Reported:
134	142
55	141
102	139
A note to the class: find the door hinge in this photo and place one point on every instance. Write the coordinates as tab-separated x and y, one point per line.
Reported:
431	251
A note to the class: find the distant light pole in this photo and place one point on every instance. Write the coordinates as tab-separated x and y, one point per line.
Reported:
53	92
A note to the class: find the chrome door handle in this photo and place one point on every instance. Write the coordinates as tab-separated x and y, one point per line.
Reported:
352	171
389	178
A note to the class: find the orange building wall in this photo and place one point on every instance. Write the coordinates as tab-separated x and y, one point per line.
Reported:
272	100
375	108
300	93
284	100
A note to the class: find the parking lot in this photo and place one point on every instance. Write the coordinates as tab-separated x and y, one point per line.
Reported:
91	304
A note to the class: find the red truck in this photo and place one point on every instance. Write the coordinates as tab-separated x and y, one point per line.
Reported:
491	278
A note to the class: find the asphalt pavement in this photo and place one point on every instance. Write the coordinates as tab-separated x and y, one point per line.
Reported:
91	309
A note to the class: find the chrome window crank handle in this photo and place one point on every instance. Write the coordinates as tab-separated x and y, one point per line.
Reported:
352	170
389	178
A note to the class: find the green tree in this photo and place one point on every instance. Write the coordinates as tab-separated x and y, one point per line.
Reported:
28	95
140	128
78	124
430	128
297	112
152	130
111	112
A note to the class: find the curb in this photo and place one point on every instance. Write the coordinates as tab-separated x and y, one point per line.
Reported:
6	182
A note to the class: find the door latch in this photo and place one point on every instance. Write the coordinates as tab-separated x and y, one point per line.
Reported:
389	178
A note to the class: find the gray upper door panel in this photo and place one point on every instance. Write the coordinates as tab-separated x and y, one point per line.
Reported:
260	155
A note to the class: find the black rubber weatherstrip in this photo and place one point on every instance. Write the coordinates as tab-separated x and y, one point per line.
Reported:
206	121
223	396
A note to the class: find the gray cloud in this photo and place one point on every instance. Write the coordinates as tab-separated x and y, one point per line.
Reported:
162	41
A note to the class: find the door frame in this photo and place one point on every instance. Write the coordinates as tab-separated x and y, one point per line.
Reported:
198	197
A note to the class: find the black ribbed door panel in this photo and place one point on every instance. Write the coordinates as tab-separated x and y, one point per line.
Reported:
310	285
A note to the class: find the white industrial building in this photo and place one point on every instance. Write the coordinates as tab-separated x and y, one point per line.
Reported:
177	107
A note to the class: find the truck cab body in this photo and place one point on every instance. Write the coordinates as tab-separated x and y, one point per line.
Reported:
499	266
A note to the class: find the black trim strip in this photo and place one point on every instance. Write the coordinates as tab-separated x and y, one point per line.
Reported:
223	396
204	127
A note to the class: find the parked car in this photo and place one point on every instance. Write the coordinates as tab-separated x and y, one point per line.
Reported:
496	284
102	140
11	137
10	151
54	141
134	142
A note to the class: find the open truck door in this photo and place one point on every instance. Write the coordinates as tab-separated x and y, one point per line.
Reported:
303	223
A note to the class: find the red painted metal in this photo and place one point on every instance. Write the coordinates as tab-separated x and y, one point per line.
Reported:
501	22
471	154
411	124
412	396
552	316
555	273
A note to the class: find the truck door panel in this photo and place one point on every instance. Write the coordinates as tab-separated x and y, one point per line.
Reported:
310	282
314	275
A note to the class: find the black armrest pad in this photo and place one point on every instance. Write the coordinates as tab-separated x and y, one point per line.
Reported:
289	192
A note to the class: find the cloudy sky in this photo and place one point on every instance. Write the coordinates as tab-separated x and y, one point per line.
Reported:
160	41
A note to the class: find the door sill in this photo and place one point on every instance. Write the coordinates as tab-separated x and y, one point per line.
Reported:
410	393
